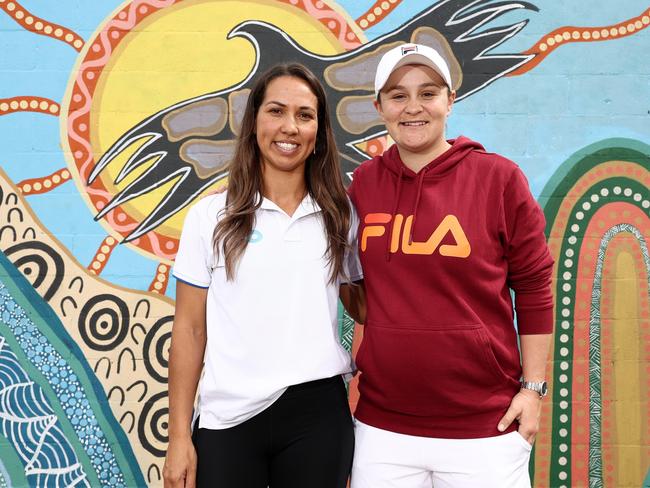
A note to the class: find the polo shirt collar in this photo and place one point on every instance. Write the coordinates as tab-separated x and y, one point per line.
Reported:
307	206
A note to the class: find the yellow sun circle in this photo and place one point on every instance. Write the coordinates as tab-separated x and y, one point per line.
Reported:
176	54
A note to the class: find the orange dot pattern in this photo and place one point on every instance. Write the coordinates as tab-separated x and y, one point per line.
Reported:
101	256
44	184
336	23
377	13
29	104
565	35
39	26
160	281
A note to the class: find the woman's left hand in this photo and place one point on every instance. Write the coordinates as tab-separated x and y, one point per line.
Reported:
525	407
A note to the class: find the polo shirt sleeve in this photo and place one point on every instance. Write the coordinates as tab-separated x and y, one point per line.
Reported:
192	265
352	265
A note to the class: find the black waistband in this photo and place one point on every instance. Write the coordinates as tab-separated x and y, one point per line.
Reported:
310	385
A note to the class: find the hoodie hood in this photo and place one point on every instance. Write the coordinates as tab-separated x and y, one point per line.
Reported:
438	168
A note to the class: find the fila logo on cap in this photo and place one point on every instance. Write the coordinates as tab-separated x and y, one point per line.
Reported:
409	49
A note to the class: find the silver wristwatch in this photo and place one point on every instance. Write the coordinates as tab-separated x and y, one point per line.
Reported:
538	386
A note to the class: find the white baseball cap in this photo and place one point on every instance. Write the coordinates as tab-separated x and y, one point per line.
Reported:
410	54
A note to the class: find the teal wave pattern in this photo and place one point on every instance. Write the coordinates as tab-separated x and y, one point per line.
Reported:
68	405
29	423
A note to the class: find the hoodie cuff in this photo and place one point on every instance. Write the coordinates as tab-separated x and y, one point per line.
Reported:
535	321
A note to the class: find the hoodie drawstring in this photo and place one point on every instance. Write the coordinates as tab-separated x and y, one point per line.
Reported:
416	204
394	211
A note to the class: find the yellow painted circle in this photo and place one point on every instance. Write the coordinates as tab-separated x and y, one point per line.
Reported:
176	54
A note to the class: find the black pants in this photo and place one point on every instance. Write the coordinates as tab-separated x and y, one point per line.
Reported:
303	440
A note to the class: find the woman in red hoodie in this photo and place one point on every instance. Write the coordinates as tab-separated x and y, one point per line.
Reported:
447	396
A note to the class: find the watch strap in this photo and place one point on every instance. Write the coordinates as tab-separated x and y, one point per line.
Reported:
540	387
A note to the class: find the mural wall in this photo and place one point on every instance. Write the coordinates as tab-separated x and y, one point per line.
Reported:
116	116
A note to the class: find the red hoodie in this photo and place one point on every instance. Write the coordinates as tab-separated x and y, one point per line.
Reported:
440	249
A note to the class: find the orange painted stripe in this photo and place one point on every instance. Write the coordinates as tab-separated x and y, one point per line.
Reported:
44	184
377	13
40	26
29	104
161	280
101	256
565	35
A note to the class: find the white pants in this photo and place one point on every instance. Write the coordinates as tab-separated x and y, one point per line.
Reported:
384	459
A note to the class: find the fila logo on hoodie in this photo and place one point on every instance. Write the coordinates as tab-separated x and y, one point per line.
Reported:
377	223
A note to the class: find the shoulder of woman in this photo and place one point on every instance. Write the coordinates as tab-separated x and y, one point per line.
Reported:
209	206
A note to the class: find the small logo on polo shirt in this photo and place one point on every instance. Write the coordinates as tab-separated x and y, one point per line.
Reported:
255	237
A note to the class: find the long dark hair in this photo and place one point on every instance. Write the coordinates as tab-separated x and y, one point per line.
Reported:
322	179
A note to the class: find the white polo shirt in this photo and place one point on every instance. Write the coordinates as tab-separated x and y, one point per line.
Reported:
276	324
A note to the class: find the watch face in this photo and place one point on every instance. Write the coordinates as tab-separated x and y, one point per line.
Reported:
544	389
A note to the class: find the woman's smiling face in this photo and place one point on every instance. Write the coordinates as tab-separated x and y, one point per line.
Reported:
286	125
414	105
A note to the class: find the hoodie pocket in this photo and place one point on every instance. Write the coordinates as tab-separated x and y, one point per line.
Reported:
448	371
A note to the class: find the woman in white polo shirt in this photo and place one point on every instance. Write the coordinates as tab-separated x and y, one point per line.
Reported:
258	273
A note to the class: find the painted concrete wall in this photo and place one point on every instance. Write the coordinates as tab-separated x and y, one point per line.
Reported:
115	116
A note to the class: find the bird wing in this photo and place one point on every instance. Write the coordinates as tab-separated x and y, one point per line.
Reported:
192	142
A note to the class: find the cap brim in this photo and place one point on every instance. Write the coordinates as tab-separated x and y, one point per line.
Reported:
411	59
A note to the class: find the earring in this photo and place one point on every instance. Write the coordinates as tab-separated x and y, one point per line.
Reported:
314	148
